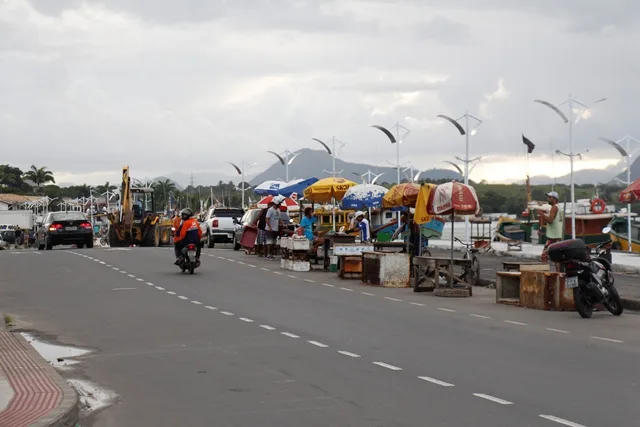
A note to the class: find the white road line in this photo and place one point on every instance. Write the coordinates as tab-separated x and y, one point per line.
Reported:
232	260
123	272
140	280
392	299
196	302
561	421
123	289
210	307
446	309
480	316
160	288
347	289
493	399
607	339
417	303
108	265
115	268
318	344
515	323
241	263
264	269
267	327
435	381
348	353
386	365
244	319
251	265
171	293
328	285
309	280
227	313
103	263
277	272
289	334
369	294
292	276
150	284
557	330
182	297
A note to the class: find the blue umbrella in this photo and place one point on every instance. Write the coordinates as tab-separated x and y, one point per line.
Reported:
363	196
269	188
296	186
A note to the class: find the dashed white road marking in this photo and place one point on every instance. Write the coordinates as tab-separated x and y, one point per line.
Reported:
292	276
386	365
561	421
227	313
607	339
515	323
123	272
368	293
348	353
277	272
309	280
210	307
182	297
108	265
150	284
557	330
140	280
493	399
160	288
264	269
241	263
244	319
417	303
116	268
251	265
171	293
392	299
123	289
267	327
196	302
289	334
447	310
328	285
232	260
480	316
347	289
318	344
103	263
435	381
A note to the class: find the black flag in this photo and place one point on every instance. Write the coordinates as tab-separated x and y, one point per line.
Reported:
530	145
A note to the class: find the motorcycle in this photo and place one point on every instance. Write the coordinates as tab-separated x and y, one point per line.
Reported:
188	261
591	279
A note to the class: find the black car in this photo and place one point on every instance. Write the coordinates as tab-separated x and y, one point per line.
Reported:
65	228
9	236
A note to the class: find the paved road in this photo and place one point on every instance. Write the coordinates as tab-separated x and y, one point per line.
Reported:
238	344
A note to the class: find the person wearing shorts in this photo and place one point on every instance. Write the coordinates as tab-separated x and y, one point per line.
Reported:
272	226
261	239
554	223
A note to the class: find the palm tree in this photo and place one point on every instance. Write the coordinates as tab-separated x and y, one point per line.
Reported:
39	176
106	187
7	179
163	188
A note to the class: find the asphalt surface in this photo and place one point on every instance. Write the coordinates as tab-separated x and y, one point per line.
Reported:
243	342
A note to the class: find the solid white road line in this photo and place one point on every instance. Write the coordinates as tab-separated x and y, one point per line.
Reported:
289	334
348	353
210	307
227	313
386	365
557	330
244	319
480	316
160	288
493	399
607	339
515	323
392	299
347	289
196	302
267	327
561	421
446	309
435	381
328	285
317	344
182	297
417	303
369	294
123	289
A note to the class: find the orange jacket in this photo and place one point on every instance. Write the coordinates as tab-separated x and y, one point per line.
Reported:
190	232
176	223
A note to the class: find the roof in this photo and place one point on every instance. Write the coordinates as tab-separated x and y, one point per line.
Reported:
12	199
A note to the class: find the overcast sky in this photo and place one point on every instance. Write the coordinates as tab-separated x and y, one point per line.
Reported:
166	85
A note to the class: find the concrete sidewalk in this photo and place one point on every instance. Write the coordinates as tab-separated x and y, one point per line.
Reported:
32	393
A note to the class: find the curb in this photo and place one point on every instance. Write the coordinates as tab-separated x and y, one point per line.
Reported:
66	414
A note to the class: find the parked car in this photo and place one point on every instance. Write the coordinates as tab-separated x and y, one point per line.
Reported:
8	236
64	228
250	217
219	226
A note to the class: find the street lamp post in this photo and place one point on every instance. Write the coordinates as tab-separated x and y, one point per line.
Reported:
626	153
240	171
286	161
466	132
570	102
371	177
332	152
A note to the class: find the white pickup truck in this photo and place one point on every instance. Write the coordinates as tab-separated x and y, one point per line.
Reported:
219	225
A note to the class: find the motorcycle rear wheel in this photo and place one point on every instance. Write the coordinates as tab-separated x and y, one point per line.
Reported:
583	305
191	267
613	303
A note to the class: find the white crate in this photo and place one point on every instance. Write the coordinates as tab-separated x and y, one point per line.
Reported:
300	244
300	266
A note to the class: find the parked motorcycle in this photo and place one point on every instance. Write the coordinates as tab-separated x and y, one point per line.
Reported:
188	261
591	279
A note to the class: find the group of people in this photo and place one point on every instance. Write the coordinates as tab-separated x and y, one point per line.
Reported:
271	223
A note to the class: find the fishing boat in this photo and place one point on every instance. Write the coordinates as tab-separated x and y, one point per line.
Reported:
618	233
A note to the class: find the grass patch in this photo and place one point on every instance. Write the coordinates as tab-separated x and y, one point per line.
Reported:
8	320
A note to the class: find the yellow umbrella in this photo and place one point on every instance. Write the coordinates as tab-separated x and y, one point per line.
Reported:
401	195
327	189
421	216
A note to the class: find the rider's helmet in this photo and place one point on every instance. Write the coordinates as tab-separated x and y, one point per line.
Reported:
186	213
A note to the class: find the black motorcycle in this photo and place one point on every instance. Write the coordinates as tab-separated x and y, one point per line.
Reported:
590	278
189	261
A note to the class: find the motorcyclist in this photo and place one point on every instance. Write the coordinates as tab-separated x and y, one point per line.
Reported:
187	232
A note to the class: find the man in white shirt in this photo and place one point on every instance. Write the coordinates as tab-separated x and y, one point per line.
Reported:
273	226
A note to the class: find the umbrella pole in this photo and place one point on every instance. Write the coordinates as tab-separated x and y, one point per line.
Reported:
451	265
333	213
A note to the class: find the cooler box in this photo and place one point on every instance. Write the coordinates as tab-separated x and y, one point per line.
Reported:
249	236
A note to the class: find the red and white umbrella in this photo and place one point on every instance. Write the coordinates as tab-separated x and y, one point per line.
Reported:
453	197
288	204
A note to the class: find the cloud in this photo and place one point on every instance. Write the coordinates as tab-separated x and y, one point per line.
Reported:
500	94
443	30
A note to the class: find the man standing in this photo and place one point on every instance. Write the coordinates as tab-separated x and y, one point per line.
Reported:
554	223
273	226
261	225
363	225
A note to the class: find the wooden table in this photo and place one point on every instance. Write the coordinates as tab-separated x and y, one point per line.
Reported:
428	270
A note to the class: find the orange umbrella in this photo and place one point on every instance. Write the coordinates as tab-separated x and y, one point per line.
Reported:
401	195
631	193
